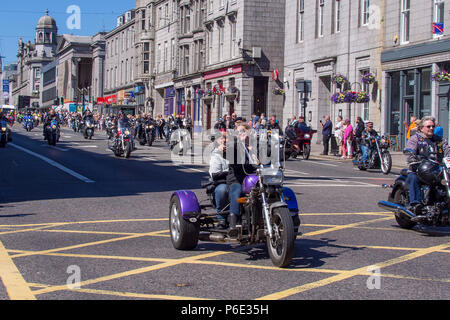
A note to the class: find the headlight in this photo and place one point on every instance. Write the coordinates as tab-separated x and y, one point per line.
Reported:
151	127
127	132
53	127
3	129
383	141
272	176
307	136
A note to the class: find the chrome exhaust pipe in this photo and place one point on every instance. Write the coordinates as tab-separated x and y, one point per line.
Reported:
396	208
212	237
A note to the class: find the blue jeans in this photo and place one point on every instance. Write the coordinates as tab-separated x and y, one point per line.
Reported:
415	193
365	153
235	193
221	197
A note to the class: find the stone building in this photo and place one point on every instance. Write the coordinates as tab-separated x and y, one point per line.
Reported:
416	46
32	57
74	71
330	38
119	68
188	48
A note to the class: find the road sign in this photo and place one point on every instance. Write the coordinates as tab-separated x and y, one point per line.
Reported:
438	28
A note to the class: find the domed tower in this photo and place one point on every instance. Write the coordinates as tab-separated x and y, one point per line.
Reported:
46	36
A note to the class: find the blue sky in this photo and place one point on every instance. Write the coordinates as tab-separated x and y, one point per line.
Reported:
20	17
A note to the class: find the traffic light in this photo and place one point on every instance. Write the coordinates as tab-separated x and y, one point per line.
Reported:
62	101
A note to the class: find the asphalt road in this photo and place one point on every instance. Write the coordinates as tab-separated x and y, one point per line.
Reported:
76	212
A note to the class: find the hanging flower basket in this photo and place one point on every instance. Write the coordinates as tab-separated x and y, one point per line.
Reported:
441	76
339	79
368	78
338	97
350	96
362	97
278	92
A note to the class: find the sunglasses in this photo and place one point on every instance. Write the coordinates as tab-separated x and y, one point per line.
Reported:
430	127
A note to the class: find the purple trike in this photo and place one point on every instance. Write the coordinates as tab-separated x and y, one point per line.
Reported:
269	214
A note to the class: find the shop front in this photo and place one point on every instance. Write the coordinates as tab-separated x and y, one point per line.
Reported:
412	87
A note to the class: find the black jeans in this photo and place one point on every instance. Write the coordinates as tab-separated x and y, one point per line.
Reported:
326	143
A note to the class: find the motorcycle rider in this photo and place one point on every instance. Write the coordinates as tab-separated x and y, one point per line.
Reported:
218	170
274	125
423	144
237	171
366	134
48	119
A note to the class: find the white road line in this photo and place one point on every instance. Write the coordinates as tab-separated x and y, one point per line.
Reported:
323	164
54	163
328	185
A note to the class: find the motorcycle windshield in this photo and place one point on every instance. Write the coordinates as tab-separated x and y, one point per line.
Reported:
123	124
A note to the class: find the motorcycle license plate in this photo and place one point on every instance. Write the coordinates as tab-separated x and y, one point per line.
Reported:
447	162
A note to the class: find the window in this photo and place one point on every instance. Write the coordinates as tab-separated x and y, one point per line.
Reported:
210	46
321	17
187	19
172	54
233	43
186	60
146	58
365	4
221	40
174	10
159	58
166	53
210	6
132	69
166	14
301	21
438	13
143	19
404	32
337	16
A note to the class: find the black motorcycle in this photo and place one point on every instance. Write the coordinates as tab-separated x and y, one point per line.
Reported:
88	128
76	125
110	128
378	156
122	144
435	188
5	134
147	132
52	133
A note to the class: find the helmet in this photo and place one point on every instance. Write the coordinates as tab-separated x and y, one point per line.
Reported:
429	172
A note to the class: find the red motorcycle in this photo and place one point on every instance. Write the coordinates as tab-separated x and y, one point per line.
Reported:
298	142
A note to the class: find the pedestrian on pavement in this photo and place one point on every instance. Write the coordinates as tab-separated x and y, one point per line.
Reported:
326	133
348	140
339	134
410	127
